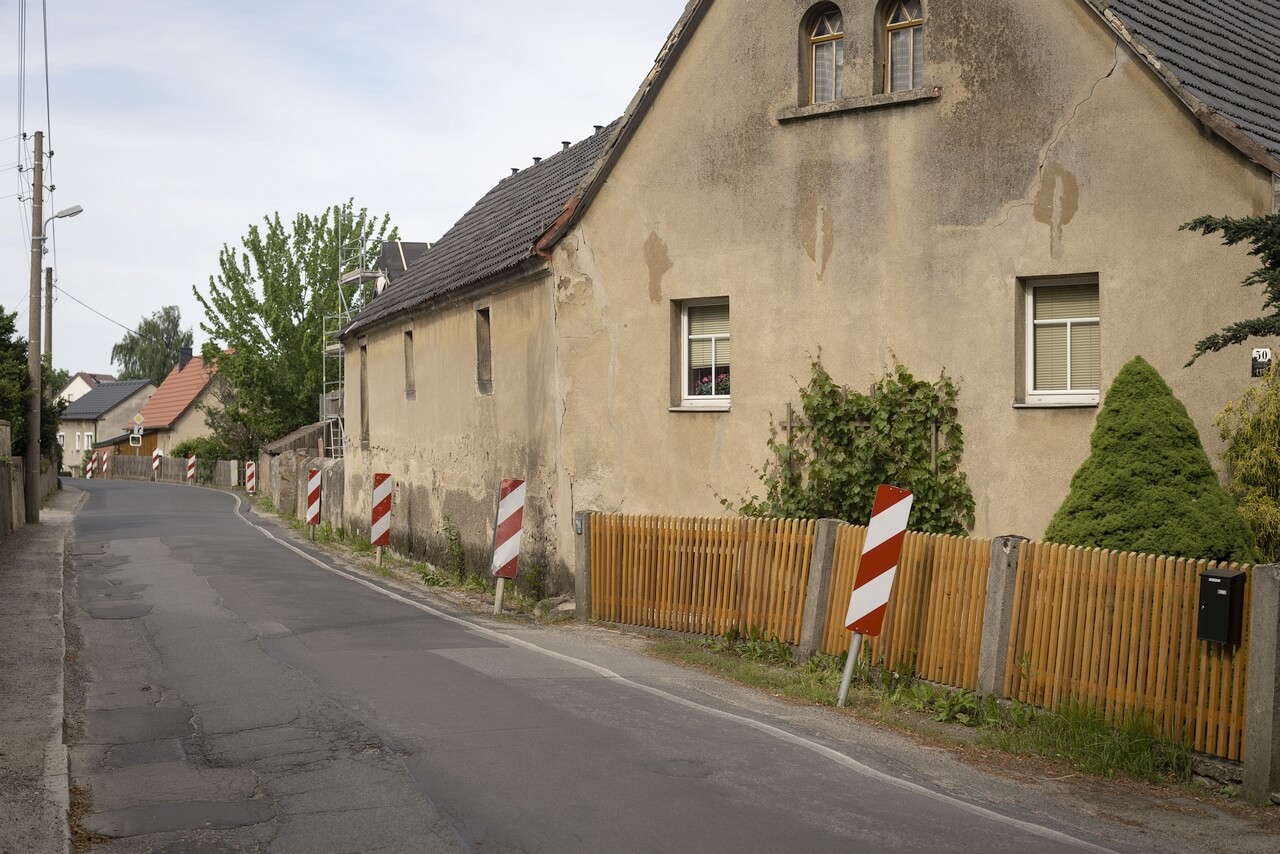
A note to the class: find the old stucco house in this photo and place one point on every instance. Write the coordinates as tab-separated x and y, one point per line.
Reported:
993	189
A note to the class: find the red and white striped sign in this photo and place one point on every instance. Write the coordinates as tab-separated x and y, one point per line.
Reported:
92	466
380	530
155	460
879	561
250	477
106	464
506	536
313	497
191	468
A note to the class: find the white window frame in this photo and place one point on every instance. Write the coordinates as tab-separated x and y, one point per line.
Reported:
701	401
62	439
78	438
1072	397
88	441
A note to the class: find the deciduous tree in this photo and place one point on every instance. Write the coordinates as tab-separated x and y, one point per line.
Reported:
151	351
265	312
15	391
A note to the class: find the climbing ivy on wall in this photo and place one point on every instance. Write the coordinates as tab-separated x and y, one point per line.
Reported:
904	432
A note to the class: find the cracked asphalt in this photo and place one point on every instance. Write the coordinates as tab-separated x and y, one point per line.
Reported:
232	689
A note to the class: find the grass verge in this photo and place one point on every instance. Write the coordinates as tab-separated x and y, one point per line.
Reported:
1076	734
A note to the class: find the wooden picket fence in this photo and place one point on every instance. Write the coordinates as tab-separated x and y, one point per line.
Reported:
1118	632
702	575
1114	631
933	626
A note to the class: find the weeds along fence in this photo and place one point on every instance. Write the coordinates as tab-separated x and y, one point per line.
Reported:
1114	631
1118	632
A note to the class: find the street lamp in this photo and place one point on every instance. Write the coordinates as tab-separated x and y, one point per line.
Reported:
31	462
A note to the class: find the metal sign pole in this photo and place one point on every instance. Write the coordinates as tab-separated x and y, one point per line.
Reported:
855	649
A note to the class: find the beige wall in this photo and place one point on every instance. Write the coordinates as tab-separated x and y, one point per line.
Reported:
192	424
447	445
899	231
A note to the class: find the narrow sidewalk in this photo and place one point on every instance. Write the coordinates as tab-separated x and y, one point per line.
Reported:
33	757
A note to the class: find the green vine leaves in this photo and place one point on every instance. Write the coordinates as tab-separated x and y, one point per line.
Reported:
904	431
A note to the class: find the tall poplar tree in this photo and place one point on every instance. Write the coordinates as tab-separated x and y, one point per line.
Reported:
265	313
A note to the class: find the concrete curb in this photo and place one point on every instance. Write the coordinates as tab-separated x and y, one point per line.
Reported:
57	760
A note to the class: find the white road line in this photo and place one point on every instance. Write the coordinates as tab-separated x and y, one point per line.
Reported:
768	729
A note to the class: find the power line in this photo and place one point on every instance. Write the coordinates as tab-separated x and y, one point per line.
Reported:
60	290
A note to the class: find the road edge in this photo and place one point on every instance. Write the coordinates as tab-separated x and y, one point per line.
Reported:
57	768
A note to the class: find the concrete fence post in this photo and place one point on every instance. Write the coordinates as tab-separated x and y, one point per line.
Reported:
997	618
582	564
813	622
1262	703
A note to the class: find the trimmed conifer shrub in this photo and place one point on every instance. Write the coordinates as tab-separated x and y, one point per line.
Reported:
1147	485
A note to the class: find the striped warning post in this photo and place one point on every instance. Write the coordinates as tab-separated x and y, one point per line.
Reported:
380	529
313	497
155	463
91	467
191	469
106	464
251	477
879	563
506	535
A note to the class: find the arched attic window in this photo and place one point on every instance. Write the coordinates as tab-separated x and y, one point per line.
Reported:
903	45
824	53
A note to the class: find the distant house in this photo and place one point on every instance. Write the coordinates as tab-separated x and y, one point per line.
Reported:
81	384
173	413
103	412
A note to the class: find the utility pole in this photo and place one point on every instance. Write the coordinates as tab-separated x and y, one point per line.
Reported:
31	462
48	317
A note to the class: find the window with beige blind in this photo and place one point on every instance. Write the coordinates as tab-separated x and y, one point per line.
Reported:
706	353
1064	341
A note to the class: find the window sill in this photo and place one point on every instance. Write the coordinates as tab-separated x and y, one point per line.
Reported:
717	408
867	102
1065	404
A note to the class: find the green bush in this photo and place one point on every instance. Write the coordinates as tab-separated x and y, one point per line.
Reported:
1250	428
207	451
1147	485
903	432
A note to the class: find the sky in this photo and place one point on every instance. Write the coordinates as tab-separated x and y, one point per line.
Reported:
177	125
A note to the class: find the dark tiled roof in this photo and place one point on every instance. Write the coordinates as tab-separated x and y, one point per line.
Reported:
94	404
494	236
1225	52
398	256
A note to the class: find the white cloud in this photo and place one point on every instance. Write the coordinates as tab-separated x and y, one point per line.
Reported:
178	124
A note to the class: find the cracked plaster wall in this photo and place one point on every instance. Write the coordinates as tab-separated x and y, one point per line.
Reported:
448	446
900	231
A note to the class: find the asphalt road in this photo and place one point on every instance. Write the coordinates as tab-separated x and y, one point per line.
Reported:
242	692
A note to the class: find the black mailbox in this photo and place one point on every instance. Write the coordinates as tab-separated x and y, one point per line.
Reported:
1221	606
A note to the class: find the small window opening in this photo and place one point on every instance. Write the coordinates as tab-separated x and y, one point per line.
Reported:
484	352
